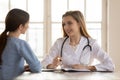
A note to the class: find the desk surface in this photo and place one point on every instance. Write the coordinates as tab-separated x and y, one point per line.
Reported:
70	76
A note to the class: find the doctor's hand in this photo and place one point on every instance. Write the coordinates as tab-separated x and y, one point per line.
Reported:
56	62
79	66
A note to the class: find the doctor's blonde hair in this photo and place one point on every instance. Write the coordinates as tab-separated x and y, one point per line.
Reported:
78	16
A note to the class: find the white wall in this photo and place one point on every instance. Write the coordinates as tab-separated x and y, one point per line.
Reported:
114	31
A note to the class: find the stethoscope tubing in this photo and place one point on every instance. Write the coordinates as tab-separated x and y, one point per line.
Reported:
88	45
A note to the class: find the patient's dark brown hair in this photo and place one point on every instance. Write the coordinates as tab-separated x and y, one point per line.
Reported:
14	18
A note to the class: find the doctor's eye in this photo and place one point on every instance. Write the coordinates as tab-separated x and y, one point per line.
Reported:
69	22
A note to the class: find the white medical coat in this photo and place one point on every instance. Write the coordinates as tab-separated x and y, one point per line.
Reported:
80	56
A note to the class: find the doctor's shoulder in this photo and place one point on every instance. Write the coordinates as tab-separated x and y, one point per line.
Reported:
95	45
58	43
60	40
93	41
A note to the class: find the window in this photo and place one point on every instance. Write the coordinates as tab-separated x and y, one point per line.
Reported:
46	17
34	35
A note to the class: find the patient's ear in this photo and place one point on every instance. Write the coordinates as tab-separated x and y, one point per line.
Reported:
20	28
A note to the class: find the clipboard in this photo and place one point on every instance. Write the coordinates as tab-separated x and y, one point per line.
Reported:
72	70
65	70
75	70
51	70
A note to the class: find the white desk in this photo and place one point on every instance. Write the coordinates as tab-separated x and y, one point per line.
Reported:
70	76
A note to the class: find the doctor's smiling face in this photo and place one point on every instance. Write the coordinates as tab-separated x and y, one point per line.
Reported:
73	23
70	26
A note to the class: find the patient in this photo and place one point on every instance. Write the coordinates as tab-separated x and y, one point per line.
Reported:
13	51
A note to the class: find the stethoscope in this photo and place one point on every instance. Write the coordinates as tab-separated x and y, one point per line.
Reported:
87	45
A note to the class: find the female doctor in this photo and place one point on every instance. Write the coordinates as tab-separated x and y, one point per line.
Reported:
77	49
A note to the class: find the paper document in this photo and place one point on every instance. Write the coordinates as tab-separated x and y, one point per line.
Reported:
51	70
65	70
75	70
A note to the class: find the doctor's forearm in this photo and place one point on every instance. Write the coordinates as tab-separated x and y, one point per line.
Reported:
51	66
91	68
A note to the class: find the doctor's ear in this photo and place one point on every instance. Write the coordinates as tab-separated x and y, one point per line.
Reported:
79	24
